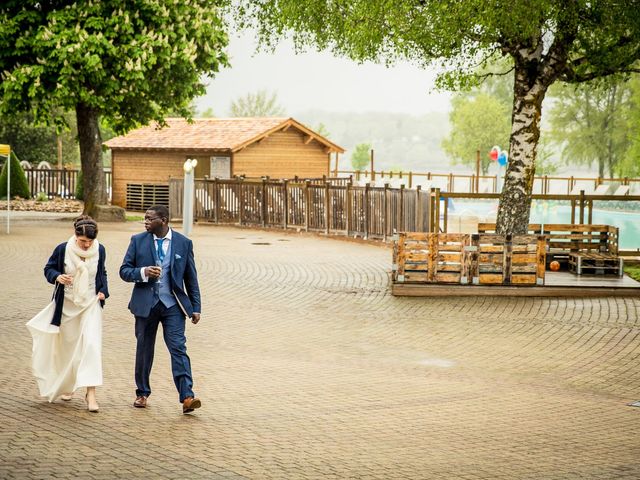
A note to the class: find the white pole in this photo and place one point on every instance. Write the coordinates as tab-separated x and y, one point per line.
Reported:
187	200
8	192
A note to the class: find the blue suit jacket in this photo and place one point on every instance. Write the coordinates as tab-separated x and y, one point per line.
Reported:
183	281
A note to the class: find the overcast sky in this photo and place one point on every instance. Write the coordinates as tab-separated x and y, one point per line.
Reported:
315	80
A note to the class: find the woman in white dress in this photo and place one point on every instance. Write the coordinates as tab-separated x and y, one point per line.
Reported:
67	334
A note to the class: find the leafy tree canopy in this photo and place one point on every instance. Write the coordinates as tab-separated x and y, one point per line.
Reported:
131	60
360	157
125	61
543	41
477	123
259	104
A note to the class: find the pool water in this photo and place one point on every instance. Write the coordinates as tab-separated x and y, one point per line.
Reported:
544	212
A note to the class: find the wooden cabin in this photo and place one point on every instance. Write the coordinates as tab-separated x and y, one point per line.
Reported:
145	158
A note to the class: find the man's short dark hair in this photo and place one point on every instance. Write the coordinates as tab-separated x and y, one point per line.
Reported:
161	210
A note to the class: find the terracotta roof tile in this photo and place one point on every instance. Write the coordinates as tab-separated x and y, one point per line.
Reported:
207	134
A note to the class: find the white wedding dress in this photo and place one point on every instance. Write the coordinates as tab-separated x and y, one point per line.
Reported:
68	357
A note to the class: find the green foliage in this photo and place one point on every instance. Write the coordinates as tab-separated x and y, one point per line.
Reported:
207	113
360	158
259	104
589	123
42	197
543	41
477	123
321	129
18	181
79	193
630	164
633	271
130	61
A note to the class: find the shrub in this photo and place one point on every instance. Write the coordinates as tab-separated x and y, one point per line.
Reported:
42	197
19	184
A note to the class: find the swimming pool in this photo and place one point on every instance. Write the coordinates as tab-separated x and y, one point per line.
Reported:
546	212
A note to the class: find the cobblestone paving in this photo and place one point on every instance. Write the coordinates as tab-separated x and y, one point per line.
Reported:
309	368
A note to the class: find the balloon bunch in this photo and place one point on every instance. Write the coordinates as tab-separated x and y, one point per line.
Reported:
500	155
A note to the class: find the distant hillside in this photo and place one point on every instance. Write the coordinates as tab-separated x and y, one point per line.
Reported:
400	141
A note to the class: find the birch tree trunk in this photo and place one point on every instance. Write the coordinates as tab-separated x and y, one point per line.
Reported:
515	202
94	185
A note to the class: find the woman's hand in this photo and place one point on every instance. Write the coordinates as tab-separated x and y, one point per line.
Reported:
65	279
100	296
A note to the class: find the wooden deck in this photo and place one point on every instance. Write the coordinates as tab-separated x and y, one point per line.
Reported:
557	284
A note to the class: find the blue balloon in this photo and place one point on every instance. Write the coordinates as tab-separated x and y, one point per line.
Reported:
502	159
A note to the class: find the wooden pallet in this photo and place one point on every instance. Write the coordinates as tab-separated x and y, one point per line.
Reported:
596	263
481	259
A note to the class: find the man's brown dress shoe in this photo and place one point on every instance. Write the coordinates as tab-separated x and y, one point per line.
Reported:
140	402
189	404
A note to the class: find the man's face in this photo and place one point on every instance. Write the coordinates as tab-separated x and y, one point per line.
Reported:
153	222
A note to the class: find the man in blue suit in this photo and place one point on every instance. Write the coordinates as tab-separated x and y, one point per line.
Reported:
161	264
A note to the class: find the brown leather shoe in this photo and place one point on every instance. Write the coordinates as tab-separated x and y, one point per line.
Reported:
189	404
140	402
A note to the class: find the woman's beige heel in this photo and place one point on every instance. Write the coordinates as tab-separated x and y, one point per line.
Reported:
90	398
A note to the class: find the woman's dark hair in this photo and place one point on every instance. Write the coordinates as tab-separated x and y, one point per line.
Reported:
85	226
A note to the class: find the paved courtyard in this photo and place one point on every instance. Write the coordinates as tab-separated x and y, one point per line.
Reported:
308	368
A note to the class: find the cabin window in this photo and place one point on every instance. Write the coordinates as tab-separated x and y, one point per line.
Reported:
220	167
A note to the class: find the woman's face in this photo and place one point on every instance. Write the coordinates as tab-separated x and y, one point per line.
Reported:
84	242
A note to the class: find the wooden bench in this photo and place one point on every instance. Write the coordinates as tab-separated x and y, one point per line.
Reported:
581	248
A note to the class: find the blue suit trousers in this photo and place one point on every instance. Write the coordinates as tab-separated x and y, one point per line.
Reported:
173	325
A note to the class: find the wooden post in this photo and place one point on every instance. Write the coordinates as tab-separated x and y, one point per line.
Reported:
450	182
582	202
216	199
590	206
327	216
285	219
573	211
477	171
240	185
385	215
366	210
335	171
418	225
545	185
570	186
402	224
348	208
541	259
436	211
263	210
307	207
373	172
445	215
410	179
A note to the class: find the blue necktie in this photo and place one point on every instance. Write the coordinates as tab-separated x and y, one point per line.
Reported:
160	249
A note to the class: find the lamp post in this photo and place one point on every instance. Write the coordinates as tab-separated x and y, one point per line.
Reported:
187	201
5	150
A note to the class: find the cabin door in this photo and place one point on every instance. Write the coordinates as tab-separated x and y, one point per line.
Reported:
220	167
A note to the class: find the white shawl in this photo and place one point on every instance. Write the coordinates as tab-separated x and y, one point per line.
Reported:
78	259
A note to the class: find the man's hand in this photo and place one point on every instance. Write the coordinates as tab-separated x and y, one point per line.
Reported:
100	296
195	318
153	272
65	279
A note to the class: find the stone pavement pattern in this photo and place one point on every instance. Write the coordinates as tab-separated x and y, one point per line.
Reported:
309	368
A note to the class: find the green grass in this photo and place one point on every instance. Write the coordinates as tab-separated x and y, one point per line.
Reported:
633	271
134	218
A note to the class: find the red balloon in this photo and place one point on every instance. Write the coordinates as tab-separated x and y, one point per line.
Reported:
493	154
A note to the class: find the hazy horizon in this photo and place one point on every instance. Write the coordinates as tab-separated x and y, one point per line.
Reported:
320	81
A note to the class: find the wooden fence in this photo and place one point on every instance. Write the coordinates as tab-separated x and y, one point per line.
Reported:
58	182
471	183
368	212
